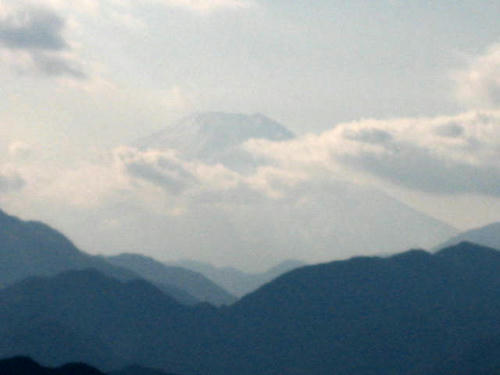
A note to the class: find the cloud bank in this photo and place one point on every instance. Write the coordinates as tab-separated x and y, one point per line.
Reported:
444	155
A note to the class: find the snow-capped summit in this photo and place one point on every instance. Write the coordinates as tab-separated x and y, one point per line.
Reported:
215	136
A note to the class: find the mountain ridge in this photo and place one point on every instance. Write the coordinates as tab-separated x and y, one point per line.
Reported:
410	313
194	283
31	248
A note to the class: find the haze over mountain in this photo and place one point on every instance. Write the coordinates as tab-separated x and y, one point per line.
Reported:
192	282
149	124
35	249
488	235
242	133
411	313
221	200
238	282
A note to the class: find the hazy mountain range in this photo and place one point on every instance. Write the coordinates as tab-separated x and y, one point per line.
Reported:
192	282
34	249
238	282
489	235
410	313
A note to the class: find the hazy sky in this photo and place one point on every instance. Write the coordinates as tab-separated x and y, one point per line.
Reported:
398	96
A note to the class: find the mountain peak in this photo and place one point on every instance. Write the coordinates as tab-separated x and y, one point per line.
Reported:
215	136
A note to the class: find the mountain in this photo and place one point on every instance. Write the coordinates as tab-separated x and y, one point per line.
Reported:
26	366
238	282
411	313
192	282
216	137
31	248
488	235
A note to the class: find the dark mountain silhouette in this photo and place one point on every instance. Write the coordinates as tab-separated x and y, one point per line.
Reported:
138	370
412	313
488	235
26	366
192	282
238	282
31	248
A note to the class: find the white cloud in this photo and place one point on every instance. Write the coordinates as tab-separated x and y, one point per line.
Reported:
479	84
175	175
455	154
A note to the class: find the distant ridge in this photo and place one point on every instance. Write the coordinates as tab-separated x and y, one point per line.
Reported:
194	283
488	235
238	282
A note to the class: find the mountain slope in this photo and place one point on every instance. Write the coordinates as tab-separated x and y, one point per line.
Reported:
194	283
488	235
238	282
